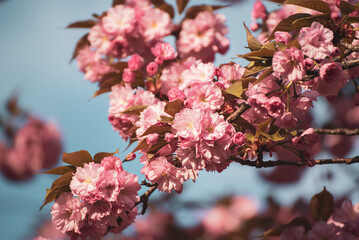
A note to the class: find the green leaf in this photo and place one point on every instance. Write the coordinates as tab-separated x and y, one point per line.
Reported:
101	155
135	110
77	159
253	43
235	89
319	6
193	11
82	43
165	119
347	8
322	205
181	5
61	170
82	24
174	107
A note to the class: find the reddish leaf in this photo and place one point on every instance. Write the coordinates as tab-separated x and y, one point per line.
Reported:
168	9
107	85
174	107
157	3
12	106
118	2
62	181
61	170
322	205
157	129
101	155
181	5
193	11
83	42
135	110
155	148
319	6
299	221
141	145
253	43
347	8
77	159
82	24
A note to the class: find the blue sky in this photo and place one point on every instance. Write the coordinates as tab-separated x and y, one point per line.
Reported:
35	48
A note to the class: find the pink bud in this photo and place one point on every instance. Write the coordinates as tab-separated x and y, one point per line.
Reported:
128	75
282	37
135	62
297	141
309	136
259	10
130	156
239	138
159	60
176	93
308	159
254	26
217	72
169	137
152	139
220	85
308	63
152	68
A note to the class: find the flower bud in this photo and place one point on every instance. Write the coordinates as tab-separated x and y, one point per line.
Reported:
152	68
152	139
128	75
135	62
239	138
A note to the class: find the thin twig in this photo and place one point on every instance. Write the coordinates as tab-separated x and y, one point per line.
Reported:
271	163
244	107
337	131
144	199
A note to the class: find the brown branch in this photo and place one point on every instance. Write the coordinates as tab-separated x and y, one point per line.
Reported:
271	163
144	198
350	48
244	107
337	131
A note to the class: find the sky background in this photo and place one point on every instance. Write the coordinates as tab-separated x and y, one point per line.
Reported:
35	48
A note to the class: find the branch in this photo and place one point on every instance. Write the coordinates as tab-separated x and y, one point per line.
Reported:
337	131
244	107
144	199
271	163
350	48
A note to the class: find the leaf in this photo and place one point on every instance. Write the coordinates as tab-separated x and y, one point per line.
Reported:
141	145
277	1
82	43
135	110
181	5
118	2
286	25
256	67
322	205
61	170
157	3
262	54
155	148
108	84
101	155
78	158
347	8
193	11
319	6
62	181
235	89
168	9
263	75
253	43
174	107
157	129
82	24
12	106
244	124
165	119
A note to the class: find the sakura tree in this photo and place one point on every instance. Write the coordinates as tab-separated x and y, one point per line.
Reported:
186	115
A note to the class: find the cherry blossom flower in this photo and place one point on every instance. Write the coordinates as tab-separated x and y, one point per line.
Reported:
289	64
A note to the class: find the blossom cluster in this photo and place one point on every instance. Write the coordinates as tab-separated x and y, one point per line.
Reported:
30	148
102	199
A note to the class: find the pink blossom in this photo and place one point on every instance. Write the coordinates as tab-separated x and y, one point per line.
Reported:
187	123
275	107
155	24
152	139
259	10
41	238
111	163
316	41
230	73
289	64
135	62
308	63
150	116
214	126
293	233
68	213
108	186
205	96
176	94
127	218
254	26
131	156
128	76
119	20
169	137
129	187
287	120
347	213
282	37
322	230
309	136
332	79
164	50
152	68
99	39
84	182
202	72
239	138
167	176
